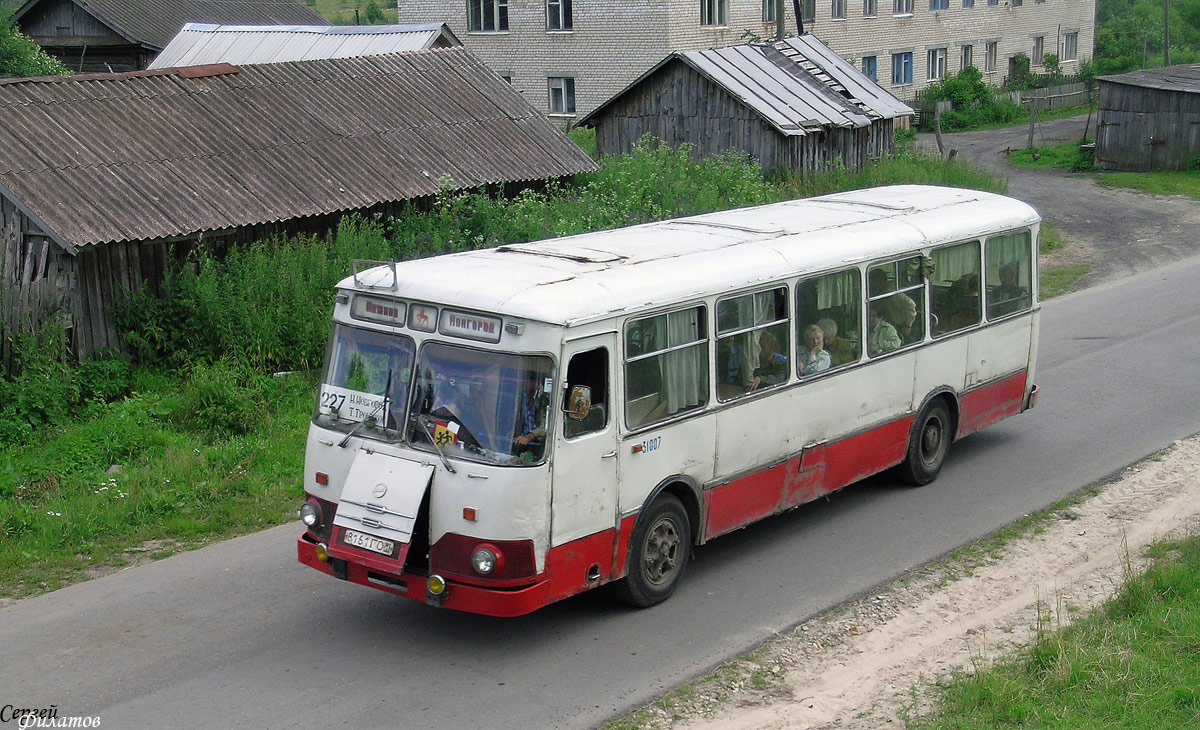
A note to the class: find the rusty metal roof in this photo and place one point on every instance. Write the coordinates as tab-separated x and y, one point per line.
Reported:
204	43
153	154
153	23
796	85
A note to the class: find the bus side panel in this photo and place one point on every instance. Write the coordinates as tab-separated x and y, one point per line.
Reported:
989	403
867	453
822	469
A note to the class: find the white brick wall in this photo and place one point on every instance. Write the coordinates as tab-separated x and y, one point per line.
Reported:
613	42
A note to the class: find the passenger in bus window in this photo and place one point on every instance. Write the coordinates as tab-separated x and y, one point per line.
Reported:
816	358
883	335
1009	296
841	350
899	309
772	364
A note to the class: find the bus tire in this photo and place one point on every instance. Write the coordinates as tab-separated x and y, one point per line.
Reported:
928	444
658	553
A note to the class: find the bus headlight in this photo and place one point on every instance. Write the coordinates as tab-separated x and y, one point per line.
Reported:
485	560
310	514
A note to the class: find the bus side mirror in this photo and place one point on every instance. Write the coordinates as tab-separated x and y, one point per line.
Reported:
578	403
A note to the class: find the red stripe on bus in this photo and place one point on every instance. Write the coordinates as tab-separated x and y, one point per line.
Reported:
990	403
818	471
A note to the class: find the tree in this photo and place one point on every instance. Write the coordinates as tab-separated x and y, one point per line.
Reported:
20	56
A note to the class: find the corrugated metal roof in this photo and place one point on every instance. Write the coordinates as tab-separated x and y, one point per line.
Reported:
153	154
153	23
797	85
202	43
1184	77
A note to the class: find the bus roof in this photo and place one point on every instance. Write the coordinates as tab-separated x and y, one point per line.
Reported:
595	275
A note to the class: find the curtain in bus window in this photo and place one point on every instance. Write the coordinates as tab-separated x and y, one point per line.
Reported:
1008	273
685	370
954	288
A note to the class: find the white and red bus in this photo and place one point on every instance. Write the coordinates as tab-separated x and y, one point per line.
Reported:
500	429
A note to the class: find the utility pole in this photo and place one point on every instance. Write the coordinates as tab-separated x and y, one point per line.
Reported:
1166	32
778	20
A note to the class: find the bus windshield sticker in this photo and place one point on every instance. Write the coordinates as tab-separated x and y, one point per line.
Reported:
375	309
470	326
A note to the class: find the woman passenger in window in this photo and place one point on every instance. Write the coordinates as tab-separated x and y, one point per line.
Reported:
816	358
883	334
772	364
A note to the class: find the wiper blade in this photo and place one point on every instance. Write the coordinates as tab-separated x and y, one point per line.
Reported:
424	424
387	391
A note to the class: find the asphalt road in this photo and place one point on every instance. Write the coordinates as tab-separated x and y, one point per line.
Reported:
240	635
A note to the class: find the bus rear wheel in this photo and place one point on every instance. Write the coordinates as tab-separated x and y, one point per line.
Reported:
658	553
927	444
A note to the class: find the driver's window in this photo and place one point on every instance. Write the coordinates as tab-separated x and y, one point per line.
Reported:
586	400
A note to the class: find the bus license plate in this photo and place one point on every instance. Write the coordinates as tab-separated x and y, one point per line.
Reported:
368	542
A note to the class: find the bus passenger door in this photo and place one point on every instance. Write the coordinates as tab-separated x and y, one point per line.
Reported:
584	491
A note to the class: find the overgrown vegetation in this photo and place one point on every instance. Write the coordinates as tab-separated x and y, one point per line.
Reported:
1130	665
1129	34
20	56
975	103
355	12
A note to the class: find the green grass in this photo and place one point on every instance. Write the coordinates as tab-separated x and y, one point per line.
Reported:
1131	664
341	12
1056	280
136	474
1067	156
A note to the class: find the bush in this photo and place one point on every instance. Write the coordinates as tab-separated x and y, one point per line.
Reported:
221	399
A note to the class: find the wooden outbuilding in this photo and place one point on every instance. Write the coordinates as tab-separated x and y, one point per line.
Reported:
124	35
1149	119
792	105
105	179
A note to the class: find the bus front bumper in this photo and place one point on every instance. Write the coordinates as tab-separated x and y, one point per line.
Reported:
458	596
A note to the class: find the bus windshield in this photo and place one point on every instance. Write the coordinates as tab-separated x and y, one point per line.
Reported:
365	386
482	406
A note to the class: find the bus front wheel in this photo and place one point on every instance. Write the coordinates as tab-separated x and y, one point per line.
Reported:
658	553
927	444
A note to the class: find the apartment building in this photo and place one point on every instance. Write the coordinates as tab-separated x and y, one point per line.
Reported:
569	56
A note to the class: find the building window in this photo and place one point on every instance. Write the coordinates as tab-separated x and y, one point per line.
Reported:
968	4
768	14
870	68
487	15
558	15
993	2
808	10
870	9
1039	45
562	95
936	5
714	12
937	63
968	57
838	11
902	68
989	59
902	7
1070	47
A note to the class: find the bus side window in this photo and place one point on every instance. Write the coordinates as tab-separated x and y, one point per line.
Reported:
752	342
666	365
1009	274
954	288
833	304
897	294
586	403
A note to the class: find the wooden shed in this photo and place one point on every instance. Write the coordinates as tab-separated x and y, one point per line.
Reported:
123	35
1149	119
104	179
793	105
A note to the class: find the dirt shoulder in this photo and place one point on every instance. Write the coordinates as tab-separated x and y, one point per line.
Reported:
872	663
